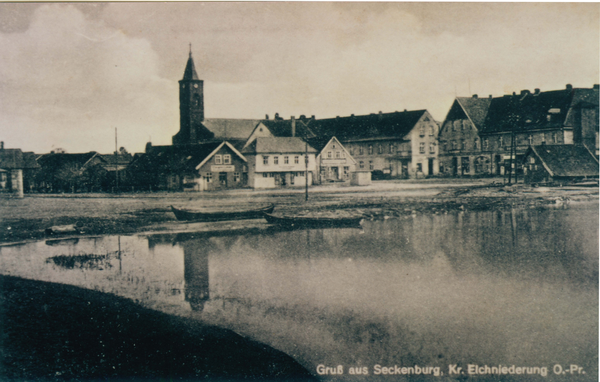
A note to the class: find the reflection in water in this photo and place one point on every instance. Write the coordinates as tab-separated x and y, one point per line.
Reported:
195	271
494	287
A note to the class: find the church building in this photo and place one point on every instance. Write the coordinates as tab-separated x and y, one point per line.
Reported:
194	127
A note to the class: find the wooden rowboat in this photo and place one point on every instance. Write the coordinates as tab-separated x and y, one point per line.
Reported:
204	216
292	222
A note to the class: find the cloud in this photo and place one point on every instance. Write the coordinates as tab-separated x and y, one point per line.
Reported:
71	81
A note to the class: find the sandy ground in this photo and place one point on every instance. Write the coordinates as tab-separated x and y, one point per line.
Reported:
97	214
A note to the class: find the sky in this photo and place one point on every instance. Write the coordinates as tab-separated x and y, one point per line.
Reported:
70	74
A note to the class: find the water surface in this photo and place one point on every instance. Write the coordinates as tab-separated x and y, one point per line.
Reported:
511	287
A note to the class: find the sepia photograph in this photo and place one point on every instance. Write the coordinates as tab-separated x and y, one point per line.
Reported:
299	191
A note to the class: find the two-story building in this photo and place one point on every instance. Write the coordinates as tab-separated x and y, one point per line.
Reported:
279	162
334	162
480	136
401	144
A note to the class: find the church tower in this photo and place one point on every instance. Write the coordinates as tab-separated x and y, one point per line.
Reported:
191	106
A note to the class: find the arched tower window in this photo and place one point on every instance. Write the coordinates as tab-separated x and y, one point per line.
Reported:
196	102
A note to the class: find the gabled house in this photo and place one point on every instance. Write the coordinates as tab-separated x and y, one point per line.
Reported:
401	144
17	170
460	145
334	162
479	135
559	163
200	167
279	161
64	172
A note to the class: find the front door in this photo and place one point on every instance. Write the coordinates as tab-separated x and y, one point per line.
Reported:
335	173
430	167
223	179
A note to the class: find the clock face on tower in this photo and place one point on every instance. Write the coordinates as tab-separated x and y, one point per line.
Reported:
195	86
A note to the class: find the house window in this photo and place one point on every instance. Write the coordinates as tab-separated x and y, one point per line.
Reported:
351	150
391	149
286	160
554	138
208	177
275	160
296	159
223	178
370	149
543	137
463	144
346	171
360	150
530	139
454	145
226	159
236	176
361	164
500	141
265	159
431	131
265	175
419	167
432	148
337	155
370	165
455	125
422	147
422	131
445	146
486	144
380	149
476	144
333	146
329	154
218	159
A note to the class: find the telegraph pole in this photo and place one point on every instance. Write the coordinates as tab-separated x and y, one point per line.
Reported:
116	162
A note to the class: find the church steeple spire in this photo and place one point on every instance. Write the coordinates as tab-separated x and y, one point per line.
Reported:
191	106
190	68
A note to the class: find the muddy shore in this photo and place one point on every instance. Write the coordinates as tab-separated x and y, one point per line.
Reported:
30	218
60	332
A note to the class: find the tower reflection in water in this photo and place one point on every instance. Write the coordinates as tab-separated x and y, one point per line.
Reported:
195	270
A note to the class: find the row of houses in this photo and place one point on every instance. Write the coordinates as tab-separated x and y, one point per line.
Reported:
528	134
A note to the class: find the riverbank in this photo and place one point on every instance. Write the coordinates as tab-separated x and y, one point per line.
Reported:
98	214
60	332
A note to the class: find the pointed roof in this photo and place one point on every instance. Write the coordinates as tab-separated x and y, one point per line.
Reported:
475	108
190	70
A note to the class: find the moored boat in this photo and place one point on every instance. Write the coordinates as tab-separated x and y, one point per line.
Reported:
314	221
206	216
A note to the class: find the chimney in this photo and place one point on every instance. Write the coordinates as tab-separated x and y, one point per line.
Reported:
312	117
536	91
569	87
352	115
405	110
596	86
302	117
475	96
277	116
293	126
514	93
525	92
491	96
2	145
266	116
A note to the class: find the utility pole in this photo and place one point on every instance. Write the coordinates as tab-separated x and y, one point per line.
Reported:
305	163
116	162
